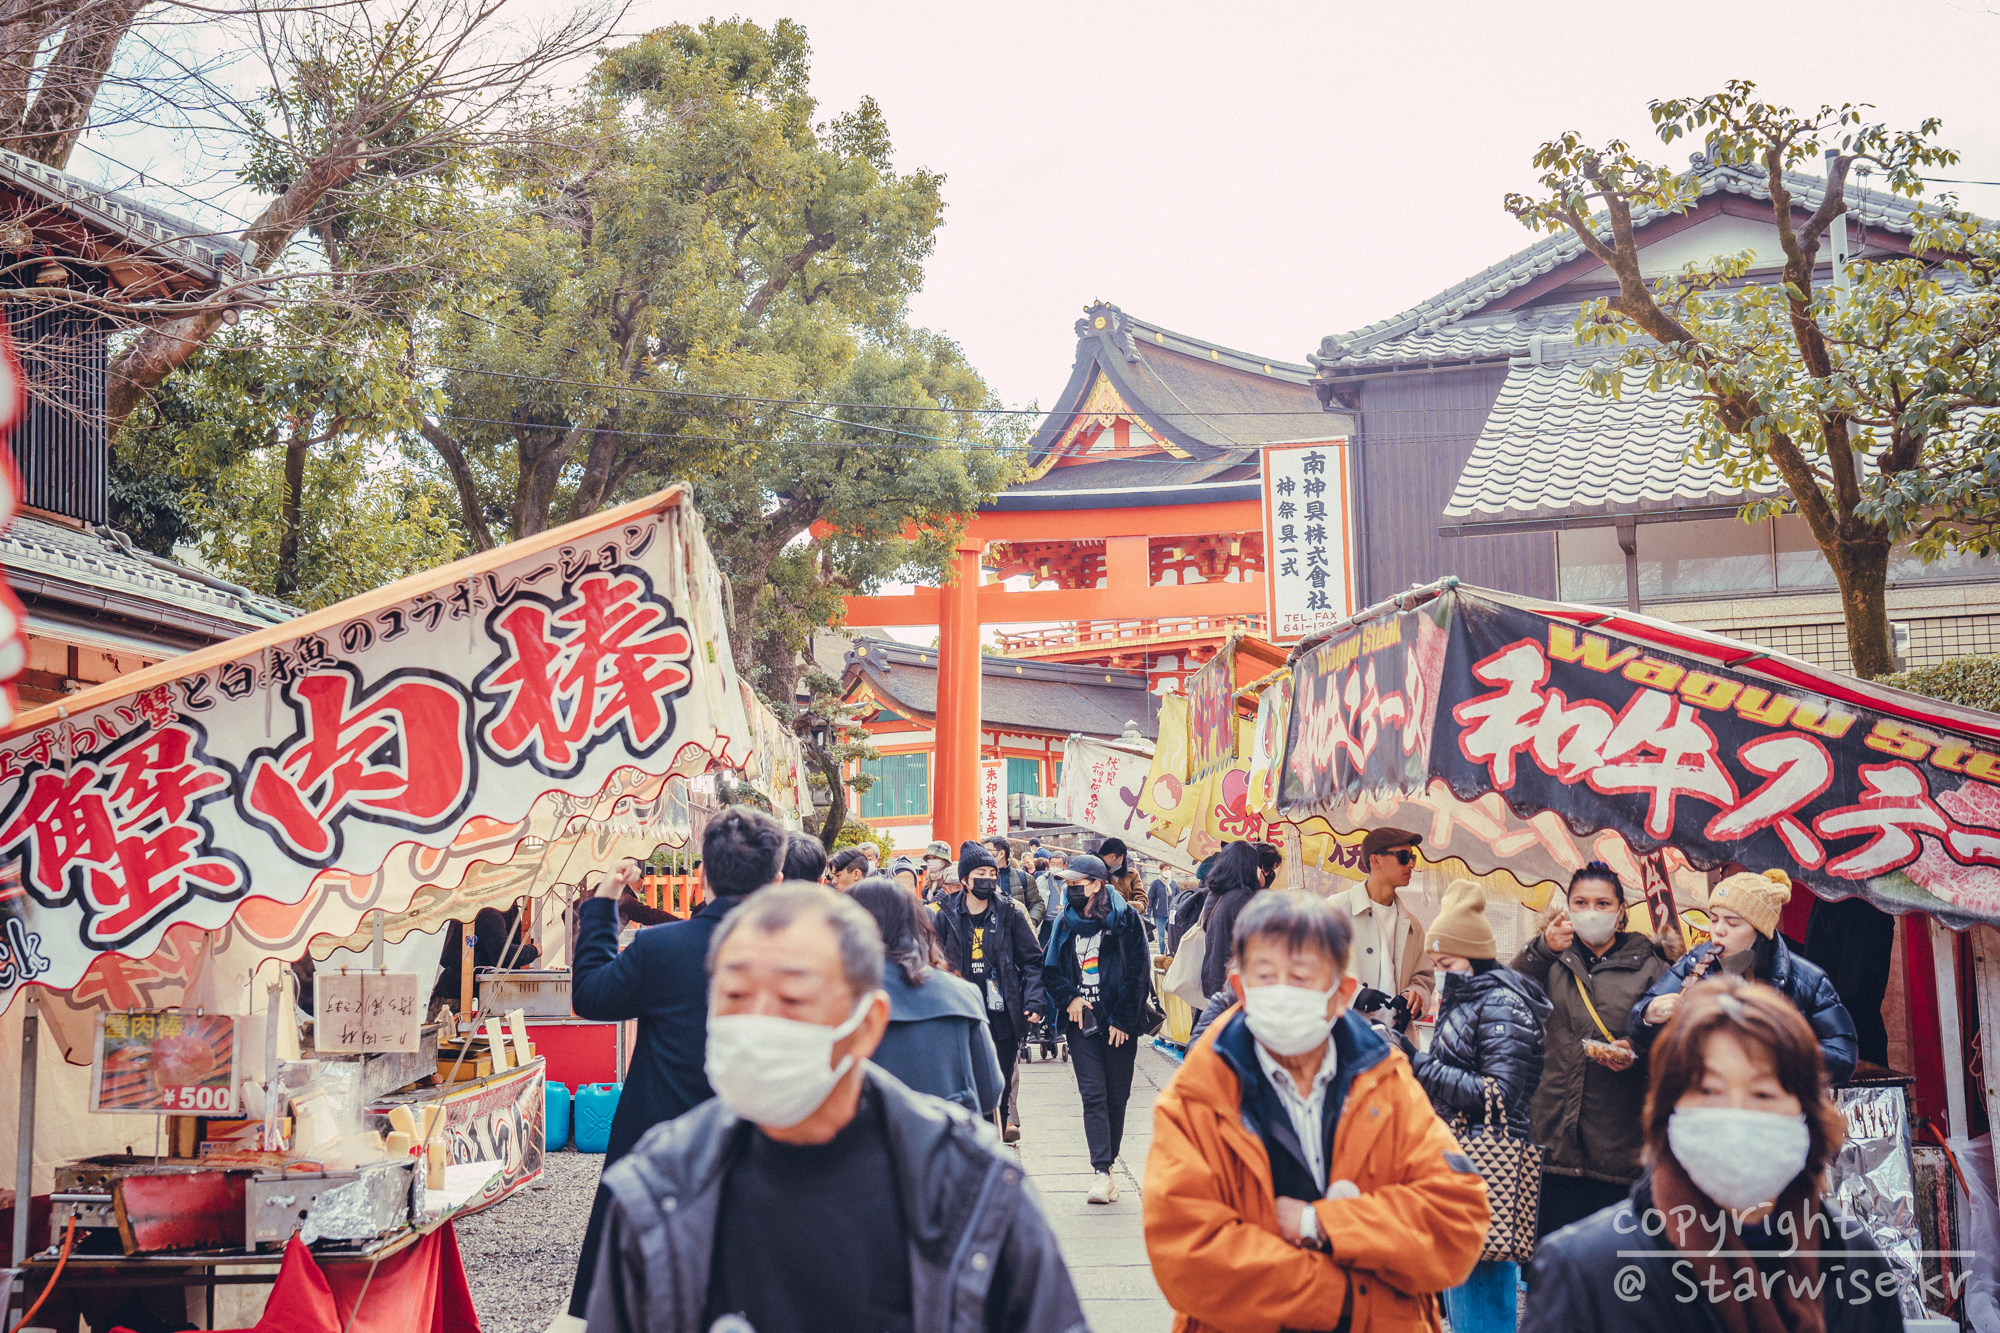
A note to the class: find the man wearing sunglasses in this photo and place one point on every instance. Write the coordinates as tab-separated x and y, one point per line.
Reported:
1388	954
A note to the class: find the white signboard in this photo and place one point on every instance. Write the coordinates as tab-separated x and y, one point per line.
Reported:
992	797
366	1011
1308	539
1100	791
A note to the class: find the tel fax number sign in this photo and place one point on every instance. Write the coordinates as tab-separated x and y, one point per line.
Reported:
1307	539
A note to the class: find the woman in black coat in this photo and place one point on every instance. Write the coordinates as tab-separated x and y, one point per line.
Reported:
1235	876
938	1039
1728	1230
1744	941
1098	973
1489	1030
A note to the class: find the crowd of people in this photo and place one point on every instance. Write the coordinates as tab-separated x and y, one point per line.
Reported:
1633	1133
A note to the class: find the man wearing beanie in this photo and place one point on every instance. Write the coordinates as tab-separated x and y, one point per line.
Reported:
997	952
1743	939
1491	1023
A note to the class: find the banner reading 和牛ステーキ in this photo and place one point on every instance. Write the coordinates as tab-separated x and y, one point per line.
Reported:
1532	736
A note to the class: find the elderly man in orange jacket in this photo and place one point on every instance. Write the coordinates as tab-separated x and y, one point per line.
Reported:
1298	1178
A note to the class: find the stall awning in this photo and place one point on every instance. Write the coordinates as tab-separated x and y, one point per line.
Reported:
1526	737
484	729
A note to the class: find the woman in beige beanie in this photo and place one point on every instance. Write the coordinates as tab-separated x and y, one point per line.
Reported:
1489	1026
1743	941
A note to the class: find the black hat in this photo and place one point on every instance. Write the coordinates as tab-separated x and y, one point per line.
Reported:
1085	866
971	856
1380	840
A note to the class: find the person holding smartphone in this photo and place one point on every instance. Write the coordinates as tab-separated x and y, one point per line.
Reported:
1097	974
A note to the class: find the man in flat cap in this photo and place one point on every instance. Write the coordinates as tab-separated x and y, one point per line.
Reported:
1388	953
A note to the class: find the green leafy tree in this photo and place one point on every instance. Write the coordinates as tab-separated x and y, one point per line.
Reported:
681	278
1863	403
273	453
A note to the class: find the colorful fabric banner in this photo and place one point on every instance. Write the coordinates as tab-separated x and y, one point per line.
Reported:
1531	737
1100	790
275	769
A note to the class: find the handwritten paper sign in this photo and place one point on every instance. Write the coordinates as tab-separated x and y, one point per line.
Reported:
366	1012
164	1062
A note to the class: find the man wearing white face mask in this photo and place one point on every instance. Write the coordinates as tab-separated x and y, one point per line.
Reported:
747	1206
1298	1177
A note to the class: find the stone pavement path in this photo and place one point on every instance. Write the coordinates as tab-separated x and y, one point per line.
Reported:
1104	1245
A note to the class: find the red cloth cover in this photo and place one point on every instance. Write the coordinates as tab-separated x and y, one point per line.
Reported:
420	1290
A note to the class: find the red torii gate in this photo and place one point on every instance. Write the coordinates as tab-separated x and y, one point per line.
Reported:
961	607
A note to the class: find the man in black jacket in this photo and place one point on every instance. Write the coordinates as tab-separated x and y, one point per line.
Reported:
815	1190
987	940
660	980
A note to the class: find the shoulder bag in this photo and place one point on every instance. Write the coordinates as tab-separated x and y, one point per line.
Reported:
1512	1170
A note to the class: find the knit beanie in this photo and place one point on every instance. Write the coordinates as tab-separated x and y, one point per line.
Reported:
971	856
1461	927
1758	899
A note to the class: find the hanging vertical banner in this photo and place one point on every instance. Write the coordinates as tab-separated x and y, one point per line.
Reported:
1165	796
1308	538
992	797
1101	785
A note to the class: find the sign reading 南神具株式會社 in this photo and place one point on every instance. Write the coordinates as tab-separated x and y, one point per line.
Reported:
1308	573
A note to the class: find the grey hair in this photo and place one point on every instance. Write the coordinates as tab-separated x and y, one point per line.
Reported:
777	907
1301	920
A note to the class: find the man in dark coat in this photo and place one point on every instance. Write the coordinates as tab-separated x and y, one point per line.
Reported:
661	981
828	1197
987	940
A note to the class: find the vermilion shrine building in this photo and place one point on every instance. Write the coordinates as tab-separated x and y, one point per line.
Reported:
1139	531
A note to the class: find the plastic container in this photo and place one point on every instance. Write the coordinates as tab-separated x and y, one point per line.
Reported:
556	1124
596	1103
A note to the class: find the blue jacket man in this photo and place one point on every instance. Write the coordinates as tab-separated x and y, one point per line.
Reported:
661	979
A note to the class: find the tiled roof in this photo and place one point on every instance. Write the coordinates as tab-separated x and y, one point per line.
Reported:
1553	448
151	231
1414	335
1048	697
50	561
1212	402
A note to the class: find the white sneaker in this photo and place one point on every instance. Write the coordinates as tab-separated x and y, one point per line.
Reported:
1105	1190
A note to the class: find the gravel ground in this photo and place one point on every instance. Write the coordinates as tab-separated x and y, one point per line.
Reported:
520	1255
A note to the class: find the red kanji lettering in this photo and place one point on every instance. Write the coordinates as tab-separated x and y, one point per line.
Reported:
397	755
157	705
125	831
608	656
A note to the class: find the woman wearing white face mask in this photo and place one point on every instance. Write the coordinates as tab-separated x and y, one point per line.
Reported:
1586	1112
1744	941
1097	973
1728	1229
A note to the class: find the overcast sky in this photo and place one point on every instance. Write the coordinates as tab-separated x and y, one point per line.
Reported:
1262	175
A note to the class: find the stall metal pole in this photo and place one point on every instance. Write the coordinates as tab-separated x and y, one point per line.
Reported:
24	1154
1944	965
1986	989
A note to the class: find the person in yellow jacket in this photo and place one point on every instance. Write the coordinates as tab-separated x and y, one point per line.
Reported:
1298	1178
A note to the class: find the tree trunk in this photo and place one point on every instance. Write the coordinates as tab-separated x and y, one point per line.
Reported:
291	514
1862	570
836	809
70	84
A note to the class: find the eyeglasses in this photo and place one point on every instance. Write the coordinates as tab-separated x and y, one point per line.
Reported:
1404	856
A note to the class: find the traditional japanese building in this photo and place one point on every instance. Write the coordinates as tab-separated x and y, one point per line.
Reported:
1138	532
1478	451
1027	710
97	606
